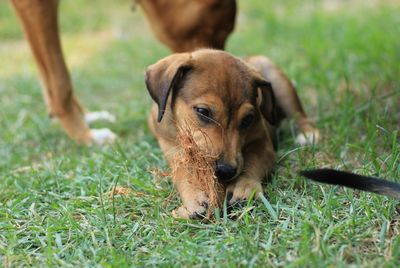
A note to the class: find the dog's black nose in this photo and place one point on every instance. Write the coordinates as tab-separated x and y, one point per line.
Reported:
224	171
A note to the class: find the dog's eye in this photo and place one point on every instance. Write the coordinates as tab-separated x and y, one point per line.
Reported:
204	114
246	121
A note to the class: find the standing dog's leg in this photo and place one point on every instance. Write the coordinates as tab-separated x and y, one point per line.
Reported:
288	103
39	19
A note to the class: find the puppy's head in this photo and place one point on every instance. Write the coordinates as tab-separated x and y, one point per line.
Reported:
223	100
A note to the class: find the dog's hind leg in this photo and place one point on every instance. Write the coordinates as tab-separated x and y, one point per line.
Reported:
288	103
39	19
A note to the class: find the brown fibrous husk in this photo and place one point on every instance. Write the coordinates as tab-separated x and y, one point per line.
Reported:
199	165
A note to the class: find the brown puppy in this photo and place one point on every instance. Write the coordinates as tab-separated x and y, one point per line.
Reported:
182	25
233	108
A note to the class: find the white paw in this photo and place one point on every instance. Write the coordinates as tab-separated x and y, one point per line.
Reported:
102	136
100	115
308	137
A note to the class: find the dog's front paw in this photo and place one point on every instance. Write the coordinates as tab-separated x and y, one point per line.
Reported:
195	208
102	136
242	190
308	137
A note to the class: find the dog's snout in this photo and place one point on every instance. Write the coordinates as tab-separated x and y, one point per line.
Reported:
224	171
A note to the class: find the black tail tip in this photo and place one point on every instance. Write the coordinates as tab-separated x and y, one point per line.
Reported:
313	173
321	175
306	173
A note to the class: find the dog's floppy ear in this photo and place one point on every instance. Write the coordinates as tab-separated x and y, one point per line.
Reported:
165	76
266	100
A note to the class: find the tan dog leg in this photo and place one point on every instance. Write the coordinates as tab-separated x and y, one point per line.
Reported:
194	201
259	159
40	22
287	100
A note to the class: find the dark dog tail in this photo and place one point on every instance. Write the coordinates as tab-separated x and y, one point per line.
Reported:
364	183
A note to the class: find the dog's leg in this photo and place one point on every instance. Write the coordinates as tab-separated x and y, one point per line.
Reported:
194	201
288	102
39	19
259	159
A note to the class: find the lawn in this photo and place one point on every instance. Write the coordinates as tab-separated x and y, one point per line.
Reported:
55	206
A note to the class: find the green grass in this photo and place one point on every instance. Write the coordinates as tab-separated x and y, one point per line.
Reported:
54	211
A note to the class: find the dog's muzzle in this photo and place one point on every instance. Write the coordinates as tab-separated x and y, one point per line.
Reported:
224	172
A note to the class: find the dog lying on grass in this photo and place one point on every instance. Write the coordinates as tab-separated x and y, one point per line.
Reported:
231	109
